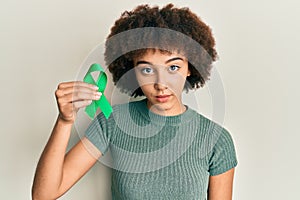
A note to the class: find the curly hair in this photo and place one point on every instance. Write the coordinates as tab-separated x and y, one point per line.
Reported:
167	29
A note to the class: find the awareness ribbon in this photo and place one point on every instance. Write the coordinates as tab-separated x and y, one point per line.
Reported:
101	82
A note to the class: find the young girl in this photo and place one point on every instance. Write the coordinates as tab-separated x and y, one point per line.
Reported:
161	148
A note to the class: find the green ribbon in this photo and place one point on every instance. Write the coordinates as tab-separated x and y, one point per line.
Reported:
101	82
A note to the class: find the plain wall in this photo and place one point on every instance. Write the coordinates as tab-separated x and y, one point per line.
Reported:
43	43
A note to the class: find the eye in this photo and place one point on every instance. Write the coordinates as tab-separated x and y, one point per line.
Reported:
173	68
147	70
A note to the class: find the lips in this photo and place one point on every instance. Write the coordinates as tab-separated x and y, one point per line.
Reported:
162	98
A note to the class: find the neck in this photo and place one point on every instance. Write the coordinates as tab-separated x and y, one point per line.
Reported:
167	111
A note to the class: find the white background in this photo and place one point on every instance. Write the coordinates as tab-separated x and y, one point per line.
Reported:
43	43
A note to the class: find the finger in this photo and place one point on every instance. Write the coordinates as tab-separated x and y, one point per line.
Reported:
81	104
80	96
76	89
76	83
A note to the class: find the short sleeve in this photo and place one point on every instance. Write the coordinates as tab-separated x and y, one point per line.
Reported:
223	155
98	133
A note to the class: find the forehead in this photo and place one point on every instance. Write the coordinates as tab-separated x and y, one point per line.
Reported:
157	54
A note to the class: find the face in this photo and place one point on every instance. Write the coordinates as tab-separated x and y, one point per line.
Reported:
162	77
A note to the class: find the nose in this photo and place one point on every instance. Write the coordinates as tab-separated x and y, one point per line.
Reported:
160	86
161	82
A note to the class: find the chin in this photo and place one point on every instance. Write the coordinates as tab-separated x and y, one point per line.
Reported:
164	108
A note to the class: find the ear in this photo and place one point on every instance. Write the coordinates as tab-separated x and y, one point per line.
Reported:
189	72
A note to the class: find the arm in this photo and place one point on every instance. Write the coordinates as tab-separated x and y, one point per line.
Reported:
57	171
220	186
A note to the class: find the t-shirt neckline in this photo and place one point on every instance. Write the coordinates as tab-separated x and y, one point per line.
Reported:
179	119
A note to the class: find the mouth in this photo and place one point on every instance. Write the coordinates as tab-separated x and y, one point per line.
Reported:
162	98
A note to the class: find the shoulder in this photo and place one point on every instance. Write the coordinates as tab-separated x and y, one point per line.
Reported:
213	134
210	126
123	111
119	110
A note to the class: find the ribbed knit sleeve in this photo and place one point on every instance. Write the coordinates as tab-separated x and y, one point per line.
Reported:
98	133
223	155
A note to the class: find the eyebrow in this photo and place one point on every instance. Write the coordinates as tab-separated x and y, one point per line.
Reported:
149	63
172	59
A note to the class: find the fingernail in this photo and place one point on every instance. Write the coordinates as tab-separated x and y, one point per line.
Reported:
95	87
98	93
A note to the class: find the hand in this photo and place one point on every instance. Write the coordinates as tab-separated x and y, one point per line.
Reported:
71	96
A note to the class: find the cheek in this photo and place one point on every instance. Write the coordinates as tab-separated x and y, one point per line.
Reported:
177	82
147	89
145	80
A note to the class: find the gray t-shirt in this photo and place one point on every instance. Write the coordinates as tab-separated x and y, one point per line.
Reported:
161	157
